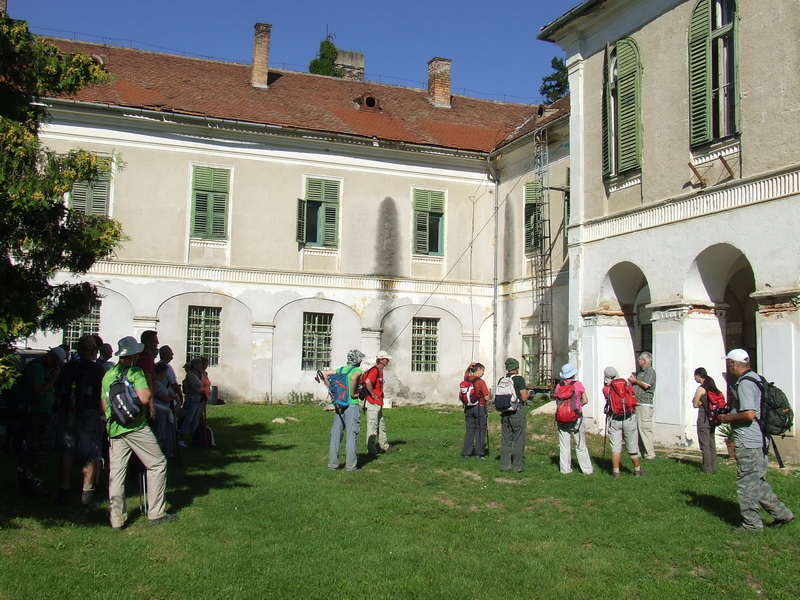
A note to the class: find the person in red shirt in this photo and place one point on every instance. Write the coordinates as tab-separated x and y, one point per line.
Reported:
475	416
376	427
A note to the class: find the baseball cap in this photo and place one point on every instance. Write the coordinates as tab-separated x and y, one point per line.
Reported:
738	355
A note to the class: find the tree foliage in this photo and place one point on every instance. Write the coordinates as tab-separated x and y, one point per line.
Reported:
325	63
555	85
39	234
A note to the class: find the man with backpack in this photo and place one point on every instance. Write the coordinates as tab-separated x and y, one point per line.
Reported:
132	435
513	421
751	458
621	415
79	424
347	409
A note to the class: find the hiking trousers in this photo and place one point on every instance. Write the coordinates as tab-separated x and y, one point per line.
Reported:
475	436
644	414
753	489
512	447
143	444
705	438
565	434
376	429
345	422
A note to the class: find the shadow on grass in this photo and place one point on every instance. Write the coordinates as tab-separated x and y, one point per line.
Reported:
726	510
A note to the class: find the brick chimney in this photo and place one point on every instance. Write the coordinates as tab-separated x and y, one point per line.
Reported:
350	65
3	6
439	82
260	73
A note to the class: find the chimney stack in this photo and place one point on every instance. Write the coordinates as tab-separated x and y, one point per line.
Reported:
439	82
3	6
260	72
350	65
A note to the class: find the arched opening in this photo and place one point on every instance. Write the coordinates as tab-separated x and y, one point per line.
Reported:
625	292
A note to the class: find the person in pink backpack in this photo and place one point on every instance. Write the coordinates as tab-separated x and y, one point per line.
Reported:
571	396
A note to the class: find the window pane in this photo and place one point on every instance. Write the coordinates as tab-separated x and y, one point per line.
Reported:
530	358
86	325
202	334
317	334
424	342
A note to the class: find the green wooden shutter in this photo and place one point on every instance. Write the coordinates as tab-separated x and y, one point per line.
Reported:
628	106
420	232
80	196
606	113
326	192
425	203
210	206
301	220
91	198
533	200
736	88
700	74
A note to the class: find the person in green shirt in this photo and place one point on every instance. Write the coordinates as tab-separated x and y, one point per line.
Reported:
135	437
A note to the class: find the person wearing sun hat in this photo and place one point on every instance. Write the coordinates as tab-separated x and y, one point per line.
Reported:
514	424
751	460
135	437
346	422
377	440
573	389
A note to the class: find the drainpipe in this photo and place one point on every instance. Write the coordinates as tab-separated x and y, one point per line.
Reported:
494	176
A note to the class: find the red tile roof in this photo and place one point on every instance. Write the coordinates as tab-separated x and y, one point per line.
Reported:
193	86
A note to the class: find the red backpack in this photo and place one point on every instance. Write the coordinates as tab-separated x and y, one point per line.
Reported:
467	393
570	408
621	400
716	401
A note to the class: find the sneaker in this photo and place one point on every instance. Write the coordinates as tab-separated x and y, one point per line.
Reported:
182	444
481	457
743	529
87	497
615	474
638	473
781	522
167	518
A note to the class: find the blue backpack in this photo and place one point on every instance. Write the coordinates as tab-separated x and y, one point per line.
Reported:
339	387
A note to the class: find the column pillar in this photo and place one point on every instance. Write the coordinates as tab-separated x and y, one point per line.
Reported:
261	376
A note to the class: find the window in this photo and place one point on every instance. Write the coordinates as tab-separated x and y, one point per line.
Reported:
92	198
202	333
713	98
622	114
428	222
424	342
533	217
318	214
530	358
317	332
210	203
86	325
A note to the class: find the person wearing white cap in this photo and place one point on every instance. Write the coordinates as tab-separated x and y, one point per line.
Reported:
751	460
39	380
572	391
376	426
136	437
644	386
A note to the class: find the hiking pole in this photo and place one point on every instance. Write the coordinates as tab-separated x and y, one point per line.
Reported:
605	435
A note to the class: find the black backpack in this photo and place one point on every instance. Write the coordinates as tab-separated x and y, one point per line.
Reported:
125	404
776	412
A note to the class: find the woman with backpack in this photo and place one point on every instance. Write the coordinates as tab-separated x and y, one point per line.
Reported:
707	400
570	397
474	394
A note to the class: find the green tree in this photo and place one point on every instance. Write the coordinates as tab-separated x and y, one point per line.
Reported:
555	85
325	63
39	234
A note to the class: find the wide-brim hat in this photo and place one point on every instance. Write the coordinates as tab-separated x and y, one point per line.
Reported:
567	371
128	346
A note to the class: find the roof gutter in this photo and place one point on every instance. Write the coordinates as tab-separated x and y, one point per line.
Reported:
548	31
277	130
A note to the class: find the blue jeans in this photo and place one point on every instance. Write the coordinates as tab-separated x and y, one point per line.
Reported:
190	420
348	422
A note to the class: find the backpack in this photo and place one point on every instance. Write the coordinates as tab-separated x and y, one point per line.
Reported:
363	392
570	408
716	401
505	396
776	413
125	404
339	387
621	400
467	393
77	393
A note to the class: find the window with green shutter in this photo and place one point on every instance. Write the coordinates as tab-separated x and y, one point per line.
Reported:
210	191
533	217
428	222
92	197
713	94
318	213
622	109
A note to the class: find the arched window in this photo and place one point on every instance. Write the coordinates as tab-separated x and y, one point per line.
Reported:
622	111
713	94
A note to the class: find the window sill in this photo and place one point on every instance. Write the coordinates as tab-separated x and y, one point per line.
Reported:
427	260
716	149
320	251
204	243
621	182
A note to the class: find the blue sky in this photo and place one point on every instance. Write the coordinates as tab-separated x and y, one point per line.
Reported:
492	44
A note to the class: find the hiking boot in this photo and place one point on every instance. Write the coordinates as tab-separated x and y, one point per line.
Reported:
743	529
87	497
614	474
638	473
781	522
167	518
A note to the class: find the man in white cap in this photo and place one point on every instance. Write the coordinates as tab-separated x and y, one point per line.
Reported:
135	437
376	426
751	459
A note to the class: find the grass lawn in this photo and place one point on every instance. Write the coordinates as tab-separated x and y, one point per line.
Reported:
261	517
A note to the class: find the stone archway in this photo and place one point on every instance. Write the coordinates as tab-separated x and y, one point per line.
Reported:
625	292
